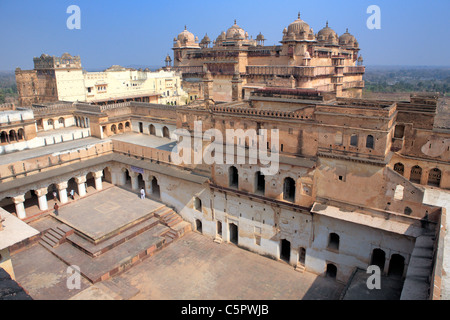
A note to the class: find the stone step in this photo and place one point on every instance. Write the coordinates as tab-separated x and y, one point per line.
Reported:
45	245
53	239
173	221
49	242
162	212
55	234
61	233
300	268
67	230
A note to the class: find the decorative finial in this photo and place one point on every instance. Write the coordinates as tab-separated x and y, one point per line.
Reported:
299	14
327	24
185	27
234	21
346	30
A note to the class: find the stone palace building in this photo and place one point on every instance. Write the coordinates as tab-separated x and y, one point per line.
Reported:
353	173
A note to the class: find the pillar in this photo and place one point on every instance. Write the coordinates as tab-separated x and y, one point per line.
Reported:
118	177
424	177
81	185
62	190
134	180
42	198
20	208
148	184
98	180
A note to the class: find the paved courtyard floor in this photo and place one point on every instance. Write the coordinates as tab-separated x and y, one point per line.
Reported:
193	267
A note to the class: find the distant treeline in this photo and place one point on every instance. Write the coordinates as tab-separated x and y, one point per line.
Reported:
396	79
8	87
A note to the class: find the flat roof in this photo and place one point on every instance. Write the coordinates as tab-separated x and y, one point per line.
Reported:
14	230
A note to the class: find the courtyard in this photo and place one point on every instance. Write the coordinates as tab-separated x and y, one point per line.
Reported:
191	267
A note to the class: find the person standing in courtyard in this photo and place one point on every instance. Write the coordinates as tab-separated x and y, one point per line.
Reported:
56	207
142	193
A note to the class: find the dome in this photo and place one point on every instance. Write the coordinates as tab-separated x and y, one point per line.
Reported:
260	37
235	32
347	39
327	35
206	39
299	27
186	36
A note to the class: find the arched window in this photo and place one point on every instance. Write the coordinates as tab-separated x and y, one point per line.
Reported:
151	129
416	174
114	129
21	134
61	121
197	204
12	135
127	125
370	142
4	137
399	168
434	177
50	122
289	189
233	177
333	241
120	126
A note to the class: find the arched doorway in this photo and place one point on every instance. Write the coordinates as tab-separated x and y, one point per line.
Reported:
434	177
396	265
21	134
4	137
289	189
114	129
233	233
219	228
378	258
233	177
285	250
260	183
331	271
198	225
302	256
152	130
166	132
155	188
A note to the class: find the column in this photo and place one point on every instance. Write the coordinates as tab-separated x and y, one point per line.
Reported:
62	190
148	184
134	180
81	185
98	180
20	208
424	177
42	198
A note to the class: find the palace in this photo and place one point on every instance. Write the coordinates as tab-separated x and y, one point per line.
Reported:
354	177
62	79
237	64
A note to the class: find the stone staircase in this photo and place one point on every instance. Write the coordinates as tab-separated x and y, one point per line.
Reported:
178	227
55	236
299	268
168	216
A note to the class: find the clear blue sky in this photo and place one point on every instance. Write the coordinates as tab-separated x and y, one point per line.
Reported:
136	32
